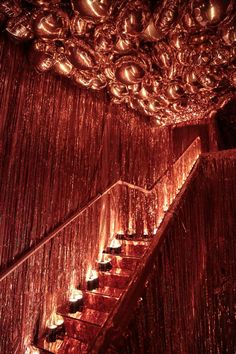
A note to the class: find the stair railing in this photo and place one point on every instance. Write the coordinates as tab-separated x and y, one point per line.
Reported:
196	144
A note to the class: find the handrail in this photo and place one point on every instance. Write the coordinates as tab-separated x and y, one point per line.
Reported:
32	250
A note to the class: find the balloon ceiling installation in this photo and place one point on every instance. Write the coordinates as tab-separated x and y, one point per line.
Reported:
172	60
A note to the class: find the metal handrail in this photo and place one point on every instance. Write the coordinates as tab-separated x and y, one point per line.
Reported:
32	250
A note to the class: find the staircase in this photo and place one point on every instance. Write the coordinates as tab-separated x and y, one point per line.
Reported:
74	329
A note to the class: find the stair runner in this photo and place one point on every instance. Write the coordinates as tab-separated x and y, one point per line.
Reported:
80	329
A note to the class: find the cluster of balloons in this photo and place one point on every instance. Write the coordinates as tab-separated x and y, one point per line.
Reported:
170	60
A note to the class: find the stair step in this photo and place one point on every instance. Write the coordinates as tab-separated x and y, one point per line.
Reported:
65	346
133	248
115	278
123	262
87	315
135	237
108	291
82	330
99	302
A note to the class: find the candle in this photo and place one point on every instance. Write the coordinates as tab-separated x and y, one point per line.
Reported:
92	281
59	322
51	335
131	234
115	246
32	350
120	235
104	264
75	301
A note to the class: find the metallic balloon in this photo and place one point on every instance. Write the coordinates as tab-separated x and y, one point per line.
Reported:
94	11
82	78
98	82
130	70
124	45
174	90
53	24
63	66
10	8
20	27
133	18
42	56
211	12
118	90
228	32
178	40
79	27
44	4
80	54
165	16
162	55
104	37
151	33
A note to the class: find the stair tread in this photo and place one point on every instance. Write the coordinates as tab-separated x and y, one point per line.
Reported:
89	315
108	291
67	345
117	271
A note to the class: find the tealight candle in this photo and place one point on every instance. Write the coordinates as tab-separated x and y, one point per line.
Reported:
59	322
92	281
104	264
115	247
51	335
120	235
75	301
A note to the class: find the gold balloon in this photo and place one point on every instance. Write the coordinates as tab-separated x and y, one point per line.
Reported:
174	91
123	45
10	8
151	33
177	40
79	27
211	12
80	54
98	83
44	4
95	10
165	16
129	70
162	55
53	24
118	90
104	37
20	28
82	78
42	56
133	18
63	66
228	32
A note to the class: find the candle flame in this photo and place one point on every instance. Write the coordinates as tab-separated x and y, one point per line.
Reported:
92	274
115	243
75	294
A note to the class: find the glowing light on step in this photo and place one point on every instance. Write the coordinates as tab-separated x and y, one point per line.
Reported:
104	263
115	246
75	301
92	280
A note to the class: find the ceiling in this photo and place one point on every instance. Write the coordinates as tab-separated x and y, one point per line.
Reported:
173	61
